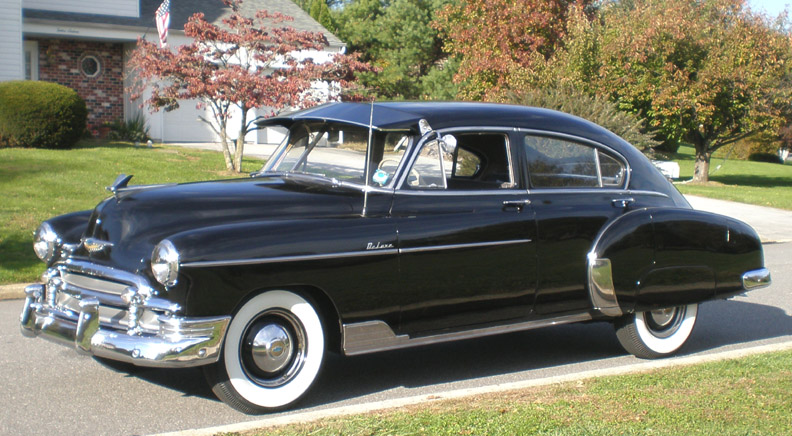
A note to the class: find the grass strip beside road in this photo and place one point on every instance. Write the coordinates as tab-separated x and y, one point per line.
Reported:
759	183
743	396
39	184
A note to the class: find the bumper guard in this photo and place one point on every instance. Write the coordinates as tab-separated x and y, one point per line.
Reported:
180	342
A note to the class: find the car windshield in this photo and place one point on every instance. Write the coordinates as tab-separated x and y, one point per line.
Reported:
338	151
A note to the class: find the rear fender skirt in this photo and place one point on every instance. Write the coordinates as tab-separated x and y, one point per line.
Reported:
621	253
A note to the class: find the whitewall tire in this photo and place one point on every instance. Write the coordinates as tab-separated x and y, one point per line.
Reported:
273	351
657	333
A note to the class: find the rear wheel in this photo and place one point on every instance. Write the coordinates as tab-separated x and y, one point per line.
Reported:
656	333
272	354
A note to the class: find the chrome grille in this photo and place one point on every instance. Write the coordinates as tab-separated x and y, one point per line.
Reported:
94	284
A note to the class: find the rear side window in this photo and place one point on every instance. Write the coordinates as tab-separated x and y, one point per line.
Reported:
560	163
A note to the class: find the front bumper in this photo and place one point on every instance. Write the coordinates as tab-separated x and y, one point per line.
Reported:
177	342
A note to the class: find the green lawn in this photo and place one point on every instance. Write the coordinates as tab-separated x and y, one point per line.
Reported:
748	396
38	184
760	183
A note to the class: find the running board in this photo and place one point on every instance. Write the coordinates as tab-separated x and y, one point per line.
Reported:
373	336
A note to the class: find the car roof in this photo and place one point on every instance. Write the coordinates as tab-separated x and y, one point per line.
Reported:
447	115
443	115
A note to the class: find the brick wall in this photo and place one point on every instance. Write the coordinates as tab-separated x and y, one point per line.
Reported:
59	61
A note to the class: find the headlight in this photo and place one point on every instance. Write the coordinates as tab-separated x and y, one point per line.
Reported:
165	263
46	243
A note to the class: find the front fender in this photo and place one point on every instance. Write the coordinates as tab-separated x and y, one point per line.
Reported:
70	227
345	258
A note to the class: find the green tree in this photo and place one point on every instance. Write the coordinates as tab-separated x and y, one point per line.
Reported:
707	72
398	38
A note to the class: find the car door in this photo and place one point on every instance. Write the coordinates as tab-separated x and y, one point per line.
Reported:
576	188
466	235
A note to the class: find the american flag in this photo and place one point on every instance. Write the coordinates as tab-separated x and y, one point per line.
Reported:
163	21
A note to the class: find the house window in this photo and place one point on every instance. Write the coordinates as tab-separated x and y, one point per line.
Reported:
31	60
90	66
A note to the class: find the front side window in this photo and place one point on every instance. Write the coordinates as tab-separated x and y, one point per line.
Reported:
463	161
560	163
338	151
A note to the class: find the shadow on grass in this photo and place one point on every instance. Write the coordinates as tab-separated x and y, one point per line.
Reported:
753	180
16	254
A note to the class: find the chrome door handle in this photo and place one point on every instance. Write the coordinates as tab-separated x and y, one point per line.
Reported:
622	203
516	204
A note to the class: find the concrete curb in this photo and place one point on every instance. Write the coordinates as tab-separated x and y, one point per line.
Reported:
12	292
644	366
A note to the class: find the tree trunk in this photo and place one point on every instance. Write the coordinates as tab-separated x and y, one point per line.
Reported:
226	152
240	147
701	168
240	142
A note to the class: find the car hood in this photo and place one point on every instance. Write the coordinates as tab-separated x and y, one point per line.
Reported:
138	218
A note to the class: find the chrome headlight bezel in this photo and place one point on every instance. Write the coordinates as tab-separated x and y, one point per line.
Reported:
46	243
165	263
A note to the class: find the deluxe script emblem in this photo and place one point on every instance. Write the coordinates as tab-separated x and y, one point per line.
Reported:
378	246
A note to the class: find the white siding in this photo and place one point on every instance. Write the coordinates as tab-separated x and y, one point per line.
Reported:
121	8
12	66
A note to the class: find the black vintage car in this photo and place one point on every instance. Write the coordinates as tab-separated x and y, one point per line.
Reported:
382	226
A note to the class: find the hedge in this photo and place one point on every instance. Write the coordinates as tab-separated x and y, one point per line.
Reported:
40	115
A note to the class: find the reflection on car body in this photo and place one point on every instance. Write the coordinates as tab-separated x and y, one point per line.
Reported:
384	226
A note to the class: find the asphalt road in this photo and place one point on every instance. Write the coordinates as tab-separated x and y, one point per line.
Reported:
49	389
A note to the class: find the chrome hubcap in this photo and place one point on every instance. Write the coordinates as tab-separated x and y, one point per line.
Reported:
663	323
272	348
662	317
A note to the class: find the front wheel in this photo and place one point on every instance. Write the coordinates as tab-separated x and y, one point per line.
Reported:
272	354
656	333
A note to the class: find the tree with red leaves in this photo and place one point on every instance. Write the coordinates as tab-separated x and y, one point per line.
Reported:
242	64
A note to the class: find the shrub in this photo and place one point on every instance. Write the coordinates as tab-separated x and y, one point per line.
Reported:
765	157
597	110
133	129
40	115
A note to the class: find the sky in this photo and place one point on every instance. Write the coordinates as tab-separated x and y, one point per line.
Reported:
772	7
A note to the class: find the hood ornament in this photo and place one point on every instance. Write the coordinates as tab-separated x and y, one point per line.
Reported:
120	183
94	245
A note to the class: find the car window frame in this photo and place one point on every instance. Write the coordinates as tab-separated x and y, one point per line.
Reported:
521	133
513	162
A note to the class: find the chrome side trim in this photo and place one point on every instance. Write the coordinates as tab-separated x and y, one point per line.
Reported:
297	258
310	257
600	284
756	279
462	246
445	193
373	336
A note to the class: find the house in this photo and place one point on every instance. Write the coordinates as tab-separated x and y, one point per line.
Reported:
85	45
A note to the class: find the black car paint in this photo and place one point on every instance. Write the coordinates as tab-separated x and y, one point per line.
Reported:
239	237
